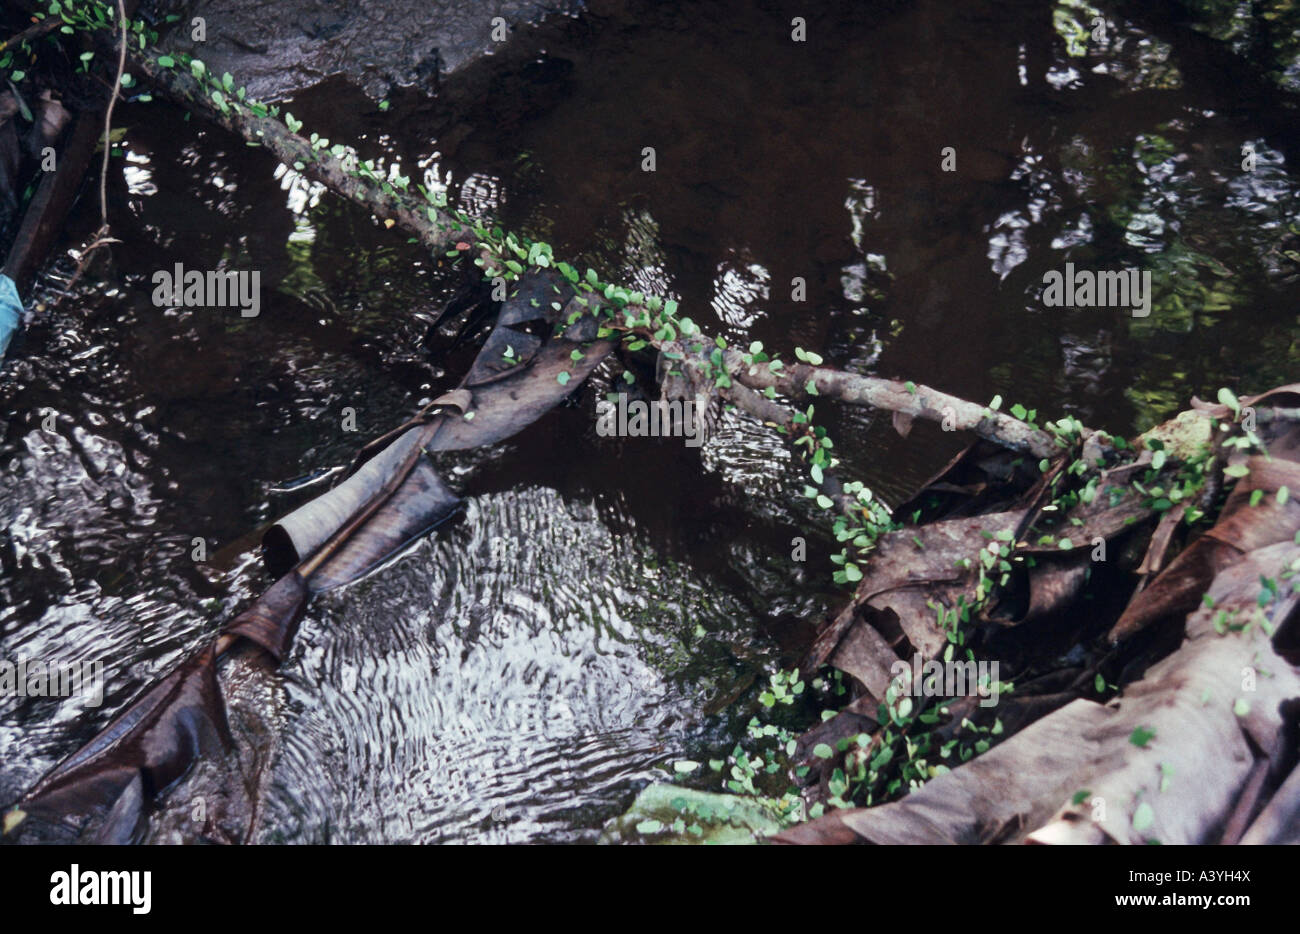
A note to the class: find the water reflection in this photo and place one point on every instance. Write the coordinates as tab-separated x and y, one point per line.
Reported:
479	687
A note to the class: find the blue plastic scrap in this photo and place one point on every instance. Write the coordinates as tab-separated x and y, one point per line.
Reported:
11	311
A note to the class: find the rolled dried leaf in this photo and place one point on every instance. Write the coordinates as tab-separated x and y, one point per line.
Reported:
392	498
499	397
273	618
307	528
419	505
510	404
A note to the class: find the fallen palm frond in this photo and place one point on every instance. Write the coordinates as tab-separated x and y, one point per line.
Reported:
1190	749
1166	762
391	499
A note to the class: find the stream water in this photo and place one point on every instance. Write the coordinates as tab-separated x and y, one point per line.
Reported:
604	605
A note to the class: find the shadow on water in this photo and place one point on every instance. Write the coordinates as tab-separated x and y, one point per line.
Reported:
517	675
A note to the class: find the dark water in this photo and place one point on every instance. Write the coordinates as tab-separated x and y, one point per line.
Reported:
519	675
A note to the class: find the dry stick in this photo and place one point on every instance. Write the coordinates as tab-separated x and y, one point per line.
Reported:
32	32
102	238
108	118
42	222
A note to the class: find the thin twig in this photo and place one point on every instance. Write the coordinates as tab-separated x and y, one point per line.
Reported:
32	32
108	118
102	237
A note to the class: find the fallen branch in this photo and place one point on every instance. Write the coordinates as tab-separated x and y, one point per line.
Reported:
783	419
916	401
438	229
43	28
